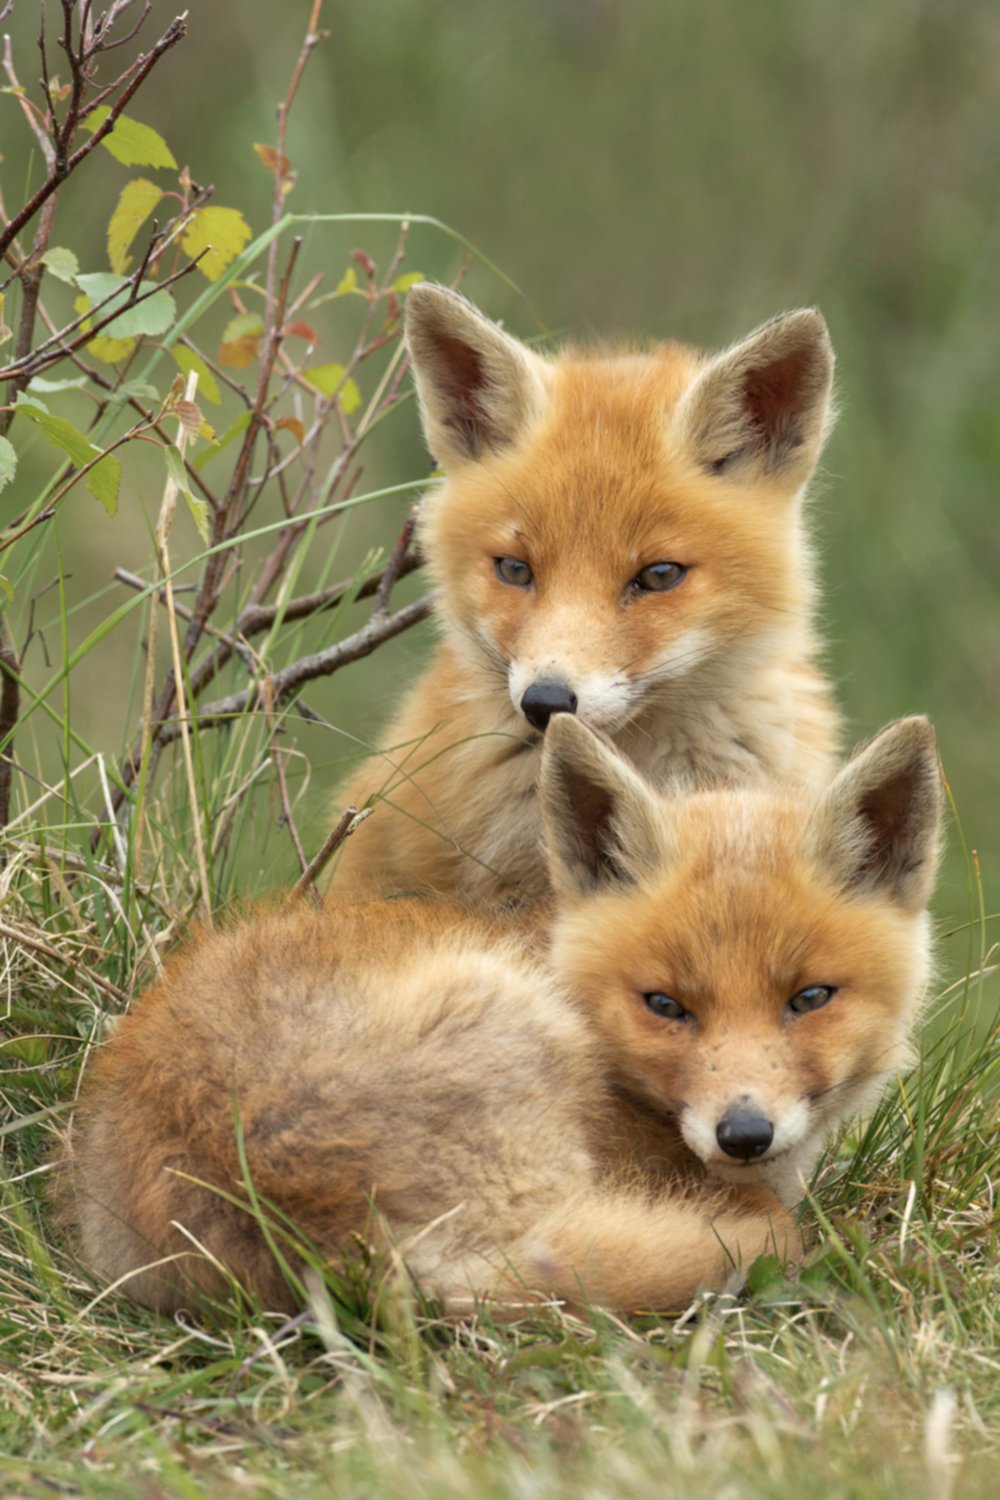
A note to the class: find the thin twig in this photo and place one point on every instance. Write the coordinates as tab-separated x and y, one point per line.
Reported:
10	701
312	36
393	569
349	821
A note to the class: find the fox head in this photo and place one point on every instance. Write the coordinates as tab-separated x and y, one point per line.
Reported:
616	527
754	962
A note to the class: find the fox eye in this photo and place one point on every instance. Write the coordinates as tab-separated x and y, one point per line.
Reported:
665	1006
812	998
658	577
512	570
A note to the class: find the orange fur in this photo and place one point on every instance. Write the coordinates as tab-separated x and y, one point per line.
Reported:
589	468
525	1129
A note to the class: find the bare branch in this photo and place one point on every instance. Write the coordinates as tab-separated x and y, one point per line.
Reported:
284	684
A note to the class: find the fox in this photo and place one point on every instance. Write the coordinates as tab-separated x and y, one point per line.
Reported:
619	536
614	1105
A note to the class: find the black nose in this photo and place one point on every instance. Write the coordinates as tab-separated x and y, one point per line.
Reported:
744	1133
546	697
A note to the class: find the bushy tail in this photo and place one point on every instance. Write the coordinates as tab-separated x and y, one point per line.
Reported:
625	1251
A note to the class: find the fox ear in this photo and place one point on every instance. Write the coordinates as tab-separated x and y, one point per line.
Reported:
477	386
763	407
602	825
877	827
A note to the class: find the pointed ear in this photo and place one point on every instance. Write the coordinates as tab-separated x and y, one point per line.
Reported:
762	408
478	388
877	827
602	824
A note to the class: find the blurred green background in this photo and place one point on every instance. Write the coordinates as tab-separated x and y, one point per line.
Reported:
666	167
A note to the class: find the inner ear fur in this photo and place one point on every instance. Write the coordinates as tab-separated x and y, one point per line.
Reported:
877	827
603	827
763	408
478	388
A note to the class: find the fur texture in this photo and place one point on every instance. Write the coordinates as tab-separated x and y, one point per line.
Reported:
412	1072
587	469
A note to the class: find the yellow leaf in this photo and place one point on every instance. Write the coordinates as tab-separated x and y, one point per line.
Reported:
273	159
329	381
292	425
187	360
221	232
239	354
136	203
132	144
110	351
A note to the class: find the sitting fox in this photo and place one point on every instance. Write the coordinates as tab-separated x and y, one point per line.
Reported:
731	973
619	536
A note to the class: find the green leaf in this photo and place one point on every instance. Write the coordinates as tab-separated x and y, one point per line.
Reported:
132	144
241	424
154	316
137	201
186	360
6	587
197	506
222	232
241	325
329	380
29	1049
62	263
347	283
8	462
403	283
39	383
104	481
104	478
60	432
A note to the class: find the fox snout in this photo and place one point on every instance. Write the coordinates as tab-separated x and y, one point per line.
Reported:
744	1132
545	697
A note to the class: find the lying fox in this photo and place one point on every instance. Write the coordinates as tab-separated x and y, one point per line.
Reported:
620	537
731	973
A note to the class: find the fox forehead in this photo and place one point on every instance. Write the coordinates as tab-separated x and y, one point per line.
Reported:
599	478
738	914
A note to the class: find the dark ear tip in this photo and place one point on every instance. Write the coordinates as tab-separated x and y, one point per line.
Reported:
426	298
913	735
808	319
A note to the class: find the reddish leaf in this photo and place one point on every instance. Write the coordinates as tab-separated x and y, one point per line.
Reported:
188	415
301	331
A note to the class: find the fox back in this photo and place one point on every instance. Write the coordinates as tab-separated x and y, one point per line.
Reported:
729	975
618	536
